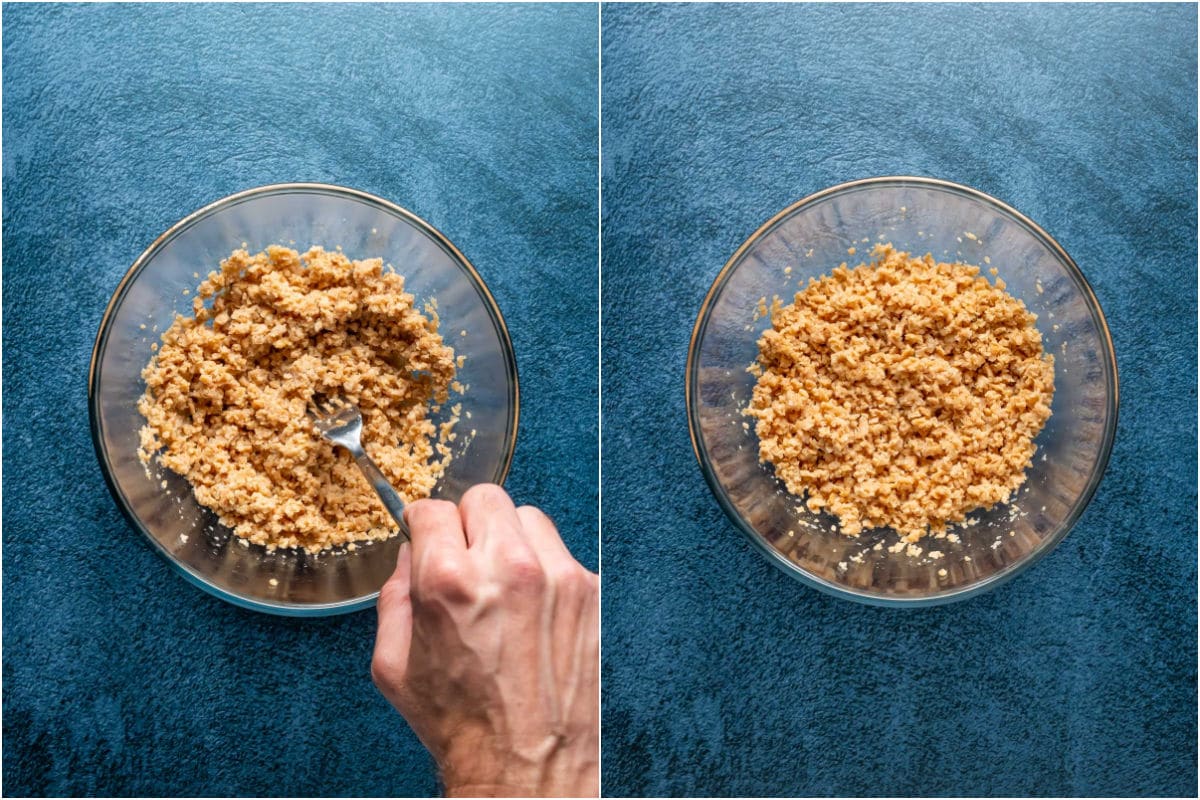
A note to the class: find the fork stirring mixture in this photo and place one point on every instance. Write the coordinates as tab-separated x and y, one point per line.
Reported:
227	393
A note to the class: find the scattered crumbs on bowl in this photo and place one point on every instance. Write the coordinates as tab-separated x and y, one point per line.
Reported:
942	572
472	431
245	245
760	310
958	239
897	547
935	554
1064	348
292	242
852	250
142	326
273	582
971	236
791	534
857	558
155	329
787	270
914	550
1043	507
1055	326
183	537
748	327
953	537
1039	287
903	209
987	260
745	426
996	544
842	565
374	230
338	248
186	292
865	239
993	272
920	233
352	547
809	253
1012	533
163	484
196	275
244	542
878	546
153	346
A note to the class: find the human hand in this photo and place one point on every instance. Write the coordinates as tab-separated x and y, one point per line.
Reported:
488	644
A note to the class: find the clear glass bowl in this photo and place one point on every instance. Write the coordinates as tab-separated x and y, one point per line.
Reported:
189	535
920	215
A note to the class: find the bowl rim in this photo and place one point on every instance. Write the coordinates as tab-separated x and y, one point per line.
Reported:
996	579
95	426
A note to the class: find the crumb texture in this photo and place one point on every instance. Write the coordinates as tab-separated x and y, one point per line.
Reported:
902	393
226	395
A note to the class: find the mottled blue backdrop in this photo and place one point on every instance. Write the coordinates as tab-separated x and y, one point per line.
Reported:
724	676
119	677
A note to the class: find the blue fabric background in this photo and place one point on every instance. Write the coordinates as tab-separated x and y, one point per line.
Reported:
721	674
119	677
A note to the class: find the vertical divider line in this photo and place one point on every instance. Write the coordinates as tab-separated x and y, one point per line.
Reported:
600	379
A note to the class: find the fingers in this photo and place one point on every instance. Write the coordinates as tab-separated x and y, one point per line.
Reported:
539	533
440	566
488	513
435	526
393	637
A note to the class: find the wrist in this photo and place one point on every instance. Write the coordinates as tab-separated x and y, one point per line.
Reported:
550	766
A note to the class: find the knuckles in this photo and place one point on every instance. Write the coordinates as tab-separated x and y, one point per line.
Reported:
520	569
442	578
428	510
575	580
391	596
386	670
484	496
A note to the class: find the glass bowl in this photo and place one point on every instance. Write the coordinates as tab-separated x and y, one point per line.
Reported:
299	215
953	222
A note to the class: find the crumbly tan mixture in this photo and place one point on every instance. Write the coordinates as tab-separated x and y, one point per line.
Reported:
903	393
226	395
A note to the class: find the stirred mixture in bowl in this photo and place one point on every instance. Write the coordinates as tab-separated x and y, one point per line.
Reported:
226	395
901	393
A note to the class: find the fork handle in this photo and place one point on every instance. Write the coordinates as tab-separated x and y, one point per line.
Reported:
387	494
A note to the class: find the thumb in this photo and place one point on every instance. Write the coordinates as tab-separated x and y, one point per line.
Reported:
389	664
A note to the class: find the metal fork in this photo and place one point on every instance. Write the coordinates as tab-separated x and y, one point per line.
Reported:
340	422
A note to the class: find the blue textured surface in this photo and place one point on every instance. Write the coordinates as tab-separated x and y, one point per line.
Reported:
119	677
721	674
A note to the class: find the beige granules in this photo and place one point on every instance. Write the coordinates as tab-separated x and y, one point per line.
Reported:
226	396
904	393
